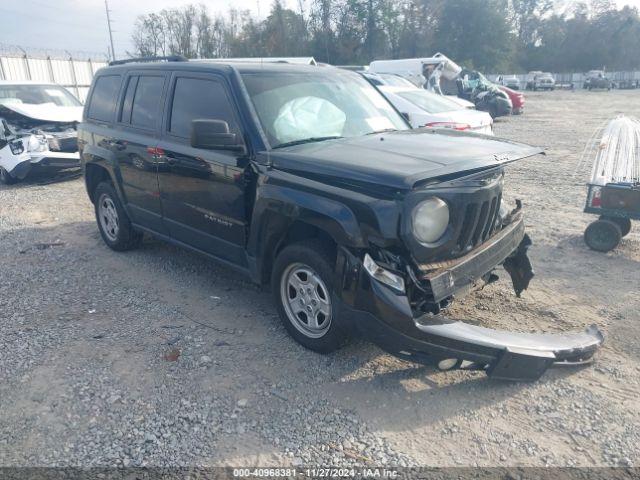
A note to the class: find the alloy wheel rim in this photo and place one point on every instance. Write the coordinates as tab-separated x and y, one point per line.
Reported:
108	216
306	300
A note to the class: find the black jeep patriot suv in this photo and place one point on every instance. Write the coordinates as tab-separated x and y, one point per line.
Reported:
306	178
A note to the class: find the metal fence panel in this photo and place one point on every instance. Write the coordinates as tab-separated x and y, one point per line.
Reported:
62	72
15	68
83	72
73	74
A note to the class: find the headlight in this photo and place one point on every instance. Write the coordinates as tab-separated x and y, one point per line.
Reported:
382	275
430	220
37	143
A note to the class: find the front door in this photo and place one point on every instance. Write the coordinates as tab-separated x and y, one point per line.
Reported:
202	191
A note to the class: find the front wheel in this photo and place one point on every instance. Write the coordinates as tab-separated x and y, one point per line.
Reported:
602	236
302	285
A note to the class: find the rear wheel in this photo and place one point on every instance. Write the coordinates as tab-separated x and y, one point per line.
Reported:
602	235
623	223
302	285
113	222
6	178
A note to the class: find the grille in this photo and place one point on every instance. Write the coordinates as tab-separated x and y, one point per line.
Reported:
479	223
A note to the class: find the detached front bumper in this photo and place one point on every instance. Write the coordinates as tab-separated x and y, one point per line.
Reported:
385	316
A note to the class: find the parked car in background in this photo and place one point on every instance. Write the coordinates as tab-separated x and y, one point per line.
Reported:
427	109
393	80
44	119
598	80
308	179
544	81
510	81
517	100
531	78
486	95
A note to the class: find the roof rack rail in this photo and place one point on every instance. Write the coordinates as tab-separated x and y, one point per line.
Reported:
170	58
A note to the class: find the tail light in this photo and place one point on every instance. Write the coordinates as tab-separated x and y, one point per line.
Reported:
451	125
596	197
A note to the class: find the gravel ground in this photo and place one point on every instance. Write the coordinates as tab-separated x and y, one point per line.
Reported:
158	357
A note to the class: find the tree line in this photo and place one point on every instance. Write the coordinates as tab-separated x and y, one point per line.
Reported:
488	35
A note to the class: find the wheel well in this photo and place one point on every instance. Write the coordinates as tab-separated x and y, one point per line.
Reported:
94	175
297	232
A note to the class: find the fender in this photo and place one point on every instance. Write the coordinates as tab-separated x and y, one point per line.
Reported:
105	159
277	207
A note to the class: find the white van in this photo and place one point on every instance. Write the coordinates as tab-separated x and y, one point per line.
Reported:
413	68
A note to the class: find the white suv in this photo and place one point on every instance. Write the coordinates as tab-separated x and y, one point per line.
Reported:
43	118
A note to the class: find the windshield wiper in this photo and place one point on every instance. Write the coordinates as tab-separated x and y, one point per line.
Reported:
386	130
306	140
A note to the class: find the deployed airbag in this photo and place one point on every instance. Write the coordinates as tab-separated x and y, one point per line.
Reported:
307	117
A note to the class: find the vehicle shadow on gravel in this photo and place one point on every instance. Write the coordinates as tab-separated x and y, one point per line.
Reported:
424	396
41	178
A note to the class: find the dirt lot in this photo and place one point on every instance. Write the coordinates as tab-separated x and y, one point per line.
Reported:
161	357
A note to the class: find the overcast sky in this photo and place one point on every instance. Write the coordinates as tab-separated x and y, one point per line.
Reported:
81	24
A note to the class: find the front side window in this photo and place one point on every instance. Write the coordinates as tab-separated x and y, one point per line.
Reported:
103	99
294	107
199	99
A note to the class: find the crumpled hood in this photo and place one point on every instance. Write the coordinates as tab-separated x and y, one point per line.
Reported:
46	112
398	159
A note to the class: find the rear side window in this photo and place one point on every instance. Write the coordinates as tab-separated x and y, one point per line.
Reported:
103	99
146	102
199	99
125	115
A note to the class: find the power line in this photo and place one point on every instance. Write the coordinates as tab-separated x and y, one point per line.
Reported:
106	6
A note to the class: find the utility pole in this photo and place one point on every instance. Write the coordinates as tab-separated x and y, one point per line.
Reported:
113	52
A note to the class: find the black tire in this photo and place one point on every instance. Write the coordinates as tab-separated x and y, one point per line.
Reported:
623	223
6	178
602	236
124	236
318	259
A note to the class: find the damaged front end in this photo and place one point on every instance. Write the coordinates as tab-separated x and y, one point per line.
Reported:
48	136
399	302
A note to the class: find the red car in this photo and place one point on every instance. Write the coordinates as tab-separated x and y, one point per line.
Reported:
517	99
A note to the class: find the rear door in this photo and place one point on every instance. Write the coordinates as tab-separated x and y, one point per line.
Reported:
138	122
203	197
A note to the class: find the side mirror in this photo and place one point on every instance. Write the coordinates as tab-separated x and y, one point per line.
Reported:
213	135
